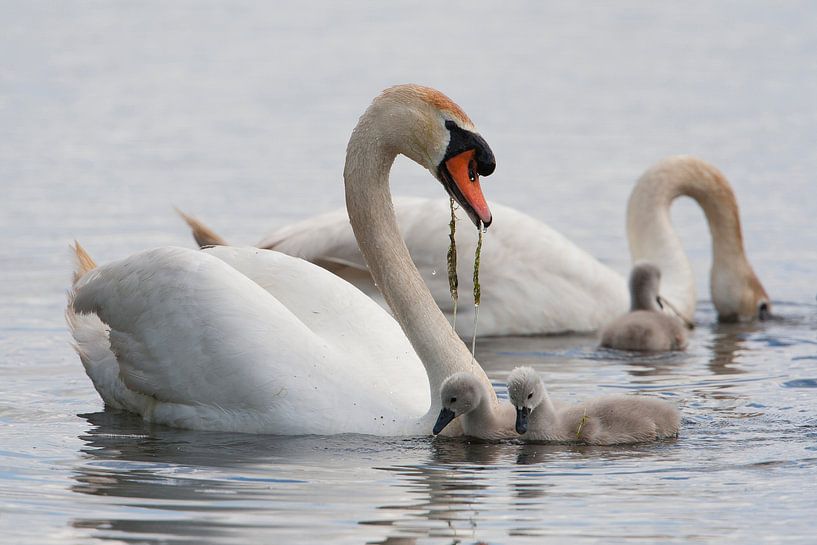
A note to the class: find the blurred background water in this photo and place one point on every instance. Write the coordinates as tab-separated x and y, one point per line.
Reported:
239	112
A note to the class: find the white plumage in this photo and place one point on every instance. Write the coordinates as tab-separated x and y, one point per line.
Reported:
534	280
241	339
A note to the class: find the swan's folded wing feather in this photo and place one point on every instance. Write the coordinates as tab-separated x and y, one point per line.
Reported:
187	328
371	341
191	328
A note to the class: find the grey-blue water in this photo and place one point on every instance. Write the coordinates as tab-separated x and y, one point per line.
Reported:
112	112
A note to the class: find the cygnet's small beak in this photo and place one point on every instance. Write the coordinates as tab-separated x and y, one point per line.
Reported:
446	416
522	420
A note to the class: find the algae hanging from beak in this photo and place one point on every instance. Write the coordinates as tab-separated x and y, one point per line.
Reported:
453	282
477	290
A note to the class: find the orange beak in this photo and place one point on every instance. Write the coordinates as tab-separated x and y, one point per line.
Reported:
463	171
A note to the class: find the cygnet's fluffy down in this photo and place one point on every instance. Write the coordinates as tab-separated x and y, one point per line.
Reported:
646	327
463	395
606	420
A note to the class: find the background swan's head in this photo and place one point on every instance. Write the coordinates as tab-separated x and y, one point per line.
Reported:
429	128
526	391
739	296
460	394
645	279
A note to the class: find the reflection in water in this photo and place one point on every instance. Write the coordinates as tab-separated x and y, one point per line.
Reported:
728	340
193	487
144	484
140	468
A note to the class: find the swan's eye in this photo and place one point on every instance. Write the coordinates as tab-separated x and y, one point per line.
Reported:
453	400
450	125
763	311
530	395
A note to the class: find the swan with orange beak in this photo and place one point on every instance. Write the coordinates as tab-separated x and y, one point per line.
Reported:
467	157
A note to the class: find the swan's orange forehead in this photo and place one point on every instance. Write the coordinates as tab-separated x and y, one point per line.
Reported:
443	103
432	97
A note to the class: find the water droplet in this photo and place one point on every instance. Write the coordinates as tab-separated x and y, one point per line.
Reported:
434	273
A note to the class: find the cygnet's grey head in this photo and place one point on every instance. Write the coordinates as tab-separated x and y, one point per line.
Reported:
527	391
460	394
645	280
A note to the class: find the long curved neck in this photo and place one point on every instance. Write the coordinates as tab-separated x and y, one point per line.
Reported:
368	201
653	238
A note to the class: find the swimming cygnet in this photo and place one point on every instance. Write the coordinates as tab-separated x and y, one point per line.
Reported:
463	395
646	327
606	420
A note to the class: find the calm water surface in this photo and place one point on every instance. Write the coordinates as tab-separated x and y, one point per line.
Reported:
112	112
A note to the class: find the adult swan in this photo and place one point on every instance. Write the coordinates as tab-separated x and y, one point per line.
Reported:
535	279
240	339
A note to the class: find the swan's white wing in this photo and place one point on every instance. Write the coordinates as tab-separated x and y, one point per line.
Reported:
340	315
533	279
201	345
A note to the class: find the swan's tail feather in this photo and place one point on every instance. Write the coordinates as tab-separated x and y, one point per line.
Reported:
92	344
83	261
94	350
204	235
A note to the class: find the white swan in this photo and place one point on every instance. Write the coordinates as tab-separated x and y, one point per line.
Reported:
645	327
464	396
534	279
239	339
606	420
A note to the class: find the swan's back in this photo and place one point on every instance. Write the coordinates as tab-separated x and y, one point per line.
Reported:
539	282
644	330
620	419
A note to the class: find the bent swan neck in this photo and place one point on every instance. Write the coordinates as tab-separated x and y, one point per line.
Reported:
653	238
368	200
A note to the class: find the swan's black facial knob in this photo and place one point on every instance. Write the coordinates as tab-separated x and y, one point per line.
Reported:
486	164
466	158
462	140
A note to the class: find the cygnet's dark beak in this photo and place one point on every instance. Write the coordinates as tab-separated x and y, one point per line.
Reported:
446	416
522	420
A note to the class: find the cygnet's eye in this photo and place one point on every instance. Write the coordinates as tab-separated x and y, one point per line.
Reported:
530	395
763	311
453	400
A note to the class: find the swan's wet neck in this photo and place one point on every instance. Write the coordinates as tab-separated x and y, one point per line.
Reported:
373	220
653	238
